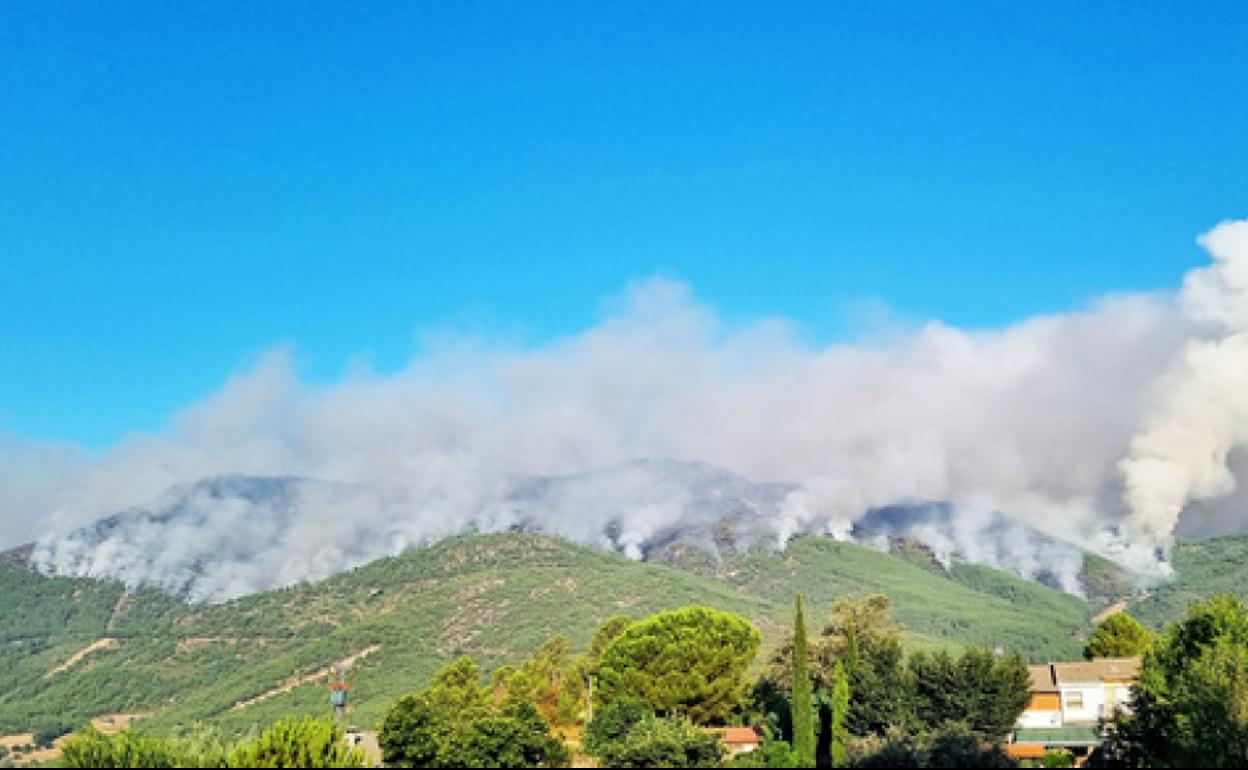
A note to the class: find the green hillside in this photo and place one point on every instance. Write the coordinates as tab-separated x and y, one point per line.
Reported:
1202	568
495	597
971	604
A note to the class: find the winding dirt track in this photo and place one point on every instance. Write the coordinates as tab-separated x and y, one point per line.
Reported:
99	644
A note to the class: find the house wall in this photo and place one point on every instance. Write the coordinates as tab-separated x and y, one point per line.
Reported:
1099	701
1045	701
1040	718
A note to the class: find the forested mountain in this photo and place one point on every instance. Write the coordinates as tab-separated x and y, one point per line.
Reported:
74	648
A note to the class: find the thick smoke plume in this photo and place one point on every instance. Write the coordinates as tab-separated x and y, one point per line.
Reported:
1200	413
1018	429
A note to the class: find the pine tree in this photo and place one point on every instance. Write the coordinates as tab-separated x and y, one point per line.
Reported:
803	712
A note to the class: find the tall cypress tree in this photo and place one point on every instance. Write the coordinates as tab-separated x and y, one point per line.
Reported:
803	711
840	708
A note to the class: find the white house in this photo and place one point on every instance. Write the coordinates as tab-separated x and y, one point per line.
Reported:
1068	703
1095	690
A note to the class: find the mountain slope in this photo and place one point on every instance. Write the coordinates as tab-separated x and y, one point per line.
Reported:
970	604
495	597
1201	568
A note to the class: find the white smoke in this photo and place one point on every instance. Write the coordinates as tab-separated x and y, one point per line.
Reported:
31	475
1200	413
1031	420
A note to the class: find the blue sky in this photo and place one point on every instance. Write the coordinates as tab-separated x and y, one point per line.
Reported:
185	185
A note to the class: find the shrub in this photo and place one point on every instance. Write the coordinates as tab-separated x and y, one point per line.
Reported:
306	742
664	742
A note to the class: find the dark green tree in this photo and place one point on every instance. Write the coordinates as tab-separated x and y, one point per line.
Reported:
612	723
687	661
1118	636
802	708
892	756
955	745
862	636
413	733
1190	705
984	691
45	736
515	738
664	742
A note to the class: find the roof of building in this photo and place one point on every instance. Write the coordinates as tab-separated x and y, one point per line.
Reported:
1042	678
1098	670
737	736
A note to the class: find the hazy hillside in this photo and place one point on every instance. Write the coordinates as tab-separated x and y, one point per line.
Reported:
1202	568
495	597
228	536
75	648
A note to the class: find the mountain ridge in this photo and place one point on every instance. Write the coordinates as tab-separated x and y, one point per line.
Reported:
227	536
494	596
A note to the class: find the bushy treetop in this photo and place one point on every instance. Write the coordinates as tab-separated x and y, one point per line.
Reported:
688	661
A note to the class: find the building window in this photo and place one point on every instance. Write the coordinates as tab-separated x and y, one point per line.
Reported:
1074	700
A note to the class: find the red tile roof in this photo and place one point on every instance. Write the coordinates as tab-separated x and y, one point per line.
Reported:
739	736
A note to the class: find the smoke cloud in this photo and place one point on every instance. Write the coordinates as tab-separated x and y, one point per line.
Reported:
1199	411
1030	422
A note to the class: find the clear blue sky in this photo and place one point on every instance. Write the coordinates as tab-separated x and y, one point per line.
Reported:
184	184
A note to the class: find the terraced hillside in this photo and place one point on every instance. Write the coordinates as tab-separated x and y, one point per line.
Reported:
73	648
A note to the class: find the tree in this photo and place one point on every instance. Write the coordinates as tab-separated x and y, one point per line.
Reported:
894	749
457	689
303	742
413	732
45	736
307	742
957	745
862	636
953	745
557	688
515	738
839	713
664	742
771	753
91	748
453	723
802	707
606	633
985	692
1118	636
1190	705
612	723
686	661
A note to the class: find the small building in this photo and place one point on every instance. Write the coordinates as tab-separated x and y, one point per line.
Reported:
1095	690
739	740
1069	703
